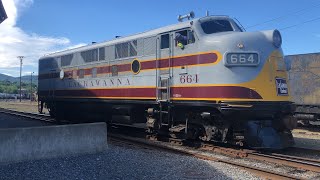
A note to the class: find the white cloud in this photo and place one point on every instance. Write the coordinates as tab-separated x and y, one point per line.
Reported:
15	42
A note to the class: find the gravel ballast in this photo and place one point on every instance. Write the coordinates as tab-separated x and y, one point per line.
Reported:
123	162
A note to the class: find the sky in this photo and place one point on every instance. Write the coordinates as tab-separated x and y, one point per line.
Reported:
38	27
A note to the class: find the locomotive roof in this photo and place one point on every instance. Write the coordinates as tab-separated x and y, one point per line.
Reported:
124	38
148	33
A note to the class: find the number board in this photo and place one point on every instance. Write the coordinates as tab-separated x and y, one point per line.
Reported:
242	59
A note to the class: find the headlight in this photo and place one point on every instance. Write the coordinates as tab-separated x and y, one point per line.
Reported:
277	40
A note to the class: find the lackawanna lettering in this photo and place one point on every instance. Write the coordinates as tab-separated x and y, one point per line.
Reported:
112	82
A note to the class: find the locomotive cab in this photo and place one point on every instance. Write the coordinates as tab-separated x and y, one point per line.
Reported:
242	97
250	85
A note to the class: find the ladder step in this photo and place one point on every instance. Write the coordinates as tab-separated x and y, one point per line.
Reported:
164	100
162	88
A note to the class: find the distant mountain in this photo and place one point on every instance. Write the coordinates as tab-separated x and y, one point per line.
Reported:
25	79
4	77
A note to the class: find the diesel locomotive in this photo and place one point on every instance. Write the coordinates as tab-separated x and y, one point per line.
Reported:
203	79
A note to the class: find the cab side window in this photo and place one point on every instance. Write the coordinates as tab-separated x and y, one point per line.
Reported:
165	41
184	37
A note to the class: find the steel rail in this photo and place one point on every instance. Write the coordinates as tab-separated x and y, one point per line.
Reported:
261	172
282	159
304	150
286	160
41	117
297	158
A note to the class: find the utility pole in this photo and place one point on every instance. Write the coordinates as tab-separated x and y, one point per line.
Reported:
21	58
31	88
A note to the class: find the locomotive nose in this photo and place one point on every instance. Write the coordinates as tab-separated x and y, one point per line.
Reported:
263	42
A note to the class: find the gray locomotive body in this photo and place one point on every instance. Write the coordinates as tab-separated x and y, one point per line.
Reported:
200	79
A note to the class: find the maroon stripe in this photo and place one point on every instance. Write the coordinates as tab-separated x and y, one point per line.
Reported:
182	61
196	59
164	63
148	65
67	72
131	92
181	92
87	71
104	69
124	67
215	92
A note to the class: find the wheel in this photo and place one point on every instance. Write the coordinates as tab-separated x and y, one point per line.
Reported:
52	112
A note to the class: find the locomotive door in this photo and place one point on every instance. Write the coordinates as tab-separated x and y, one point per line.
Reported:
163	64
52	84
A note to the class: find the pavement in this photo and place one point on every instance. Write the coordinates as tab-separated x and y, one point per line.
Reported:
115	162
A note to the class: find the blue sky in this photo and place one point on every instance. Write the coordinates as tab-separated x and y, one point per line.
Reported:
42	26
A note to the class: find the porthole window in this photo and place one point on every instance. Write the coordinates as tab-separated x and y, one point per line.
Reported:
135	66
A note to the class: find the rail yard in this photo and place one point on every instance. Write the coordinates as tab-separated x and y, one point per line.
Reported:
293	163
201	98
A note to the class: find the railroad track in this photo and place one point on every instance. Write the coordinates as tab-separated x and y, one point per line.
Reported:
34	116
280	159
304	150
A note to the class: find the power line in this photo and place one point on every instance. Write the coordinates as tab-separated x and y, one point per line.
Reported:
284	16
304	22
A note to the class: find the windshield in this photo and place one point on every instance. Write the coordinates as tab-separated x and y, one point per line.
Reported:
216	26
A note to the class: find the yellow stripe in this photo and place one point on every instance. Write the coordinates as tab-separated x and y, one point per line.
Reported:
264	83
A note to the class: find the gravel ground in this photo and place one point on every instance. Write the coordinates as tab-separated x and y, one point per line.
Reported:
10	121
25	106
279	168
261	164
129	162
119	162
307	140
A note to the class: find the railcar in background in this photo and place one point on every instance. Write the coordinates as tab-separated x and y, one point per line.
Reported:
203	78
304	78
